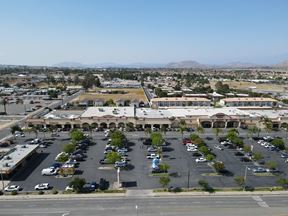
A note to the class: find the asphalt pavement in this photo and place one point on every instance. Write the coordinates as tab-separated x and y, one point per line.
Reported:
149	206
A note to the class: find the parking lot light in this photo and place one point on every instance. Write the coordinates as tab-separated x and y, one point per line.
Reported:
245	177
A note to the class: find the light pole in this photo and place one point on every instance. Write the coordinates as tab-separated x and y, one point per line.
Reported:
136	207
245	177
2	179
188	180
118	177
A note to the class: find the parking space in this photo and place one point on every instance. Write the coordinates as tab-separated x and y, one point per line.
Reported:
183	172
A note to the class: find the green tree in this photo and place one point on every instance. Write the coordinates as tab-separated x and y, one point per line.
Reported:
240	180
77	184
164	167
182	127
194	136
69	148
163	129
217	131
117	142
283	182
246	148
204	150
63	158
210	157
257	156
219	166
279	143
112	157
200	130
164	181
15	128
148	131
271	164
157	139
76	135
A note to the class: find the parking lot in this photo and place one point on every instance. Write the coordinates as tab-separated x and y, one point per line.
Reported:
184	171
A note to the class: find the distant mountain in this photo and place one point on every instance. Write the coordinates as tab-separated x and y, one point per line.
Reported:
69	64
241	65
186	64
180	64
283	64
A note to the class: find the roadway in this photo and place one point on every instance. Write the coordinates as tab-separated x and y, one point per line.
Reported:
5	132
148	206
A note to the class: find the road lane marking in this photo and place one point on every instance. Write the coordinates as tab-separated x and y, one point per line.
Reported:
260	201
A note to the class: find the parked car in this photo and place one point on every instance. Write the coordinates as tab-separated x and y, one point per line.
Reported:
152	156
104	161
259	170
191	149
12	188
200	160
147	142
42	186
120	164
239	153
35	141
49	171
245	159
103	184
152	149
218	147
89	187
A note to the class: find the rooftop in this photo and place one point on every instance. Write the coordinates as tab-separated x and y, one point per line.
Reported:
63	114
243	99
179	99
12	158
108	111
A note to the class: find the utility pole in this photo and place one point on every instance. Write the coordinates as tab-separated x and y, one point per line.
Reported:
245	178
188	180
136	207
2	179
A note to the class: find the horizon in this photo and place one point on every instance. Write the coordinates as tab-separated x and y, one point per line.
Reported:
147	32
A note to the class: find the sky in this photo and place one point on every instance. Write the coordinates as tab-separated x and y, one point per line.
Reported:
34	32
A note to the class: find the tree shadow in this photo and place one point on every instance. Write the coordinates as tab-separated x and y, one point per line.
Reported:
167	149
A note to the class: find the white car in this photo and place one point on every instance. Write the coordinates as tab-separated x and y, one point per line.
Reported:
152	156
35	141
191	145
42	186
218	147
200	160
192	149
69	188
12	188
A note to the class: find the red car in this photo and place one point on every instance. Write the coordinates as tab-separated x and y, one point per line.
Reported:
185	141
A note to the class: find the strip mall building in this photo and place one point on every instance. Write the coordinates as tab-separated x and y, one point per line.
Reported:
207	117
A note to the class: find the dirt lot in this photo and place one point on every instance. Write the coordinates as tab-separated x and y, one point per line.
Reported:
246	85
130	94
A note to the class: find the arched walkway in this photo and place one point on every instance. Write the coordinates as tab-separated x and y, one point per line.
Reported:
112	125
219	124
232	124
103	125
206	124
94	125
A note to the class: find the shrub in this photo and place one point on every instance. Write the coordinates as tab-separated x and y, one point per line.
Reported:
77	184
279	143
1	193
219	166
55	191
164	167
14	193
40	192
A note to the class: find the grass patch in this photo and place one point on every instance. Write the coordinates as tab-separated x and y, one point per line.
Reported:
159	174
264	174
210	174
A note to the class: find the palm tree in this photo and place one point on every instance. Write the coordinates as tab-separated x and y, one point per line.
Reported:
200	130
4	102
182	127
148	131
268	124
217	131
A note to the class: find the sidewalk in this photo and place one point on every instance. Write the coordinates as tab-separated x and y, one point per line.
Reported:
147	195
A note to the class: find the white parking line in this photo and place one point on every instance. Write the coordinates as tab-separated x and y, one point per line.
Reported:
260	201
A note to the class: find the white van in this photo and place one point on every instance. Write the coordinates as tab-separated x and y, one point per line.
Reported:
49	171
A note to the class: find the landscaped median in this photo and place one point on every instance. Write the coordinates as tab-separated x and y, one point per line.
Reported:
59	195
